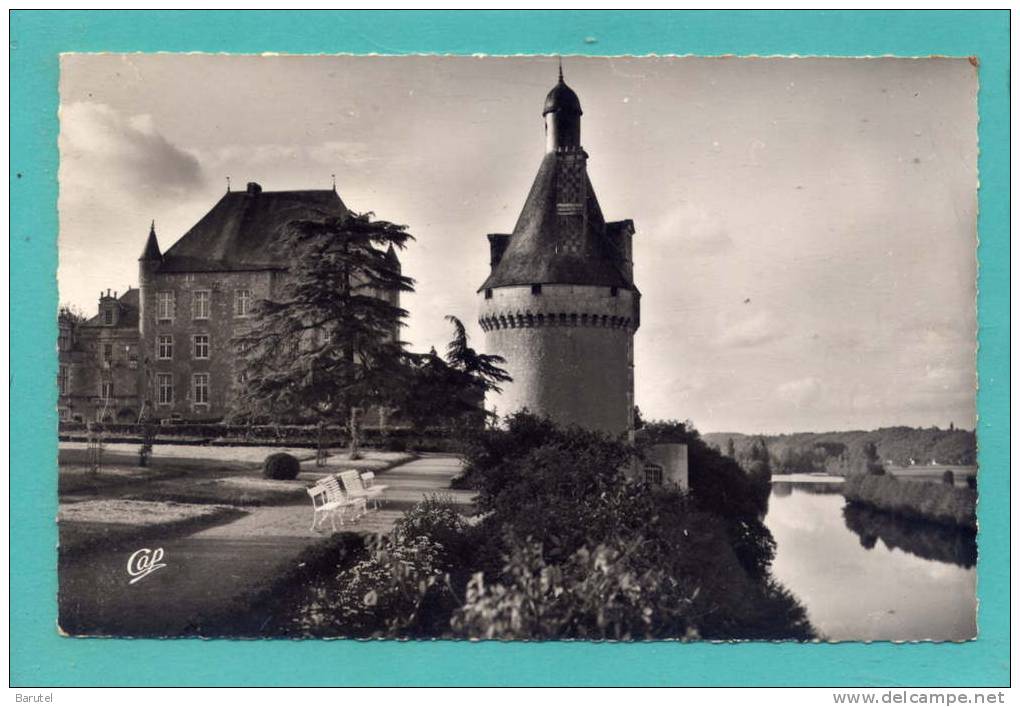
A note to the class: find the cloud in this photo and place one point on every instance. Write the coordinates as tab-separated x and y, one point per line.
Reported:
760	328
694	231
800	391
100	146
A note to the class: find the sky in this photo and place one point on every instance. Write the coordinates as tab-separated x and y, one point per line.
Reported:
806	228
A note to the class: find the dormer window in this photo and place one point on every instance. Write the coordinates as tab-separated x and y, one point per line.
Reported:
536	289
109	316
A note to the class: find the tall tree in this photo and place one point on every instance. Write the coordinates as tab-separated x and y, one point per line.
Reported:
450	390
328	345
483	369
731	450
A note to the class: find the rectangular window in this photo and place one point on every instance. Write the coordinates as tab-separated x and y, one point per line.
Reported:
536	289
64	342
488	293
653	474
65	414
164	388
201	345
165	306
242	303
200	304
106	390
108	317
614	291
63	379
200	386
165	347
107	353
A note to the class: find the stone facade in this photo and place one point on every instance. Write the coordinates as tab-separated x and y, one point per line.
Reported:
569	349
664	463
191	365
99	362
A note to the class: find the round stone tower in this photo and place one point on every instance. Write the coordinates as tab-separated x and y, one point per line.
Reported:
560	303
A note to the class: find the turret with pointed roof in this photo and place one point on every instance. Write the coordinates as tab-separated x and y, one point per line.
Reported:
151	251
560	303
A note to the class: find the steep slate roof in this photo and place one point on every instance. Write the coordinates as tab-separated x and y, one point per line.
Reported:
533	256
241	231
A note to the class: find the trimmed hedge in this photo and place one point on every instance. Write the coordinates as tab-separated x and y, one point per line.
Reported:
281	466
221	434
920	500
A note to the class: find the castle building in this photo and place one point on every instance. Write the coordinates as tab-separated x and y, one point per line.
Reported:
199	295
560	303
98	360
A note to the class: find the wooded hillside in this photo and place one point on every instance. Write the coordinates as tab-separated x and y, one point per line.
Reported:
844	452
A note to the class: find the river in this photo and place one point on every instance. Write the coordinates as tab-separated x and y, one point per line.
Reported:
864	575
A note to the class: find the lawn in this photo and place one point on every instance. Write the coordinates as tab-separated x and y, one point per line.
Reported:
218	475
108	523
233	490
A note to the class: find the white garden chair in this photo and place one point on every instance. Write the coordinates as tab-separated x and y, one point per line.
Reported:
356	487
329	500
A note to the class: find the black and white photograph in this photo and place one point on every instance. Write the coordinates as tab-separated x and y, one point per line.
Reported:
528	348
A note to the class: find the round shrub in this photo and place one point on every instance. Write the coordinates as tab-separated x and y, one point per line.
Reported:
281	466
948	478
395	444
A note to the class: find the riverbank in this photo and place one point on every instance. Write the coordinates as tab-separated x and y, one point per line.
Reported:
934	502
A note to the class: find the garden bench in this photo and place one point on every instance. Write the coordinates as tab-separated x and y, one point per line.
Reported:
355	485
328	499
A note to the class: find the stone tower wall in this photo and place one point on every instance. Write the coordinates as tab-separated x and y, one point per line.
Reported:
570	350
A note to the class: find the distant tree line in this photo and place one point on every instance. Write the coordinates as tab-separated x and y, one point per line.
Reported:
853	451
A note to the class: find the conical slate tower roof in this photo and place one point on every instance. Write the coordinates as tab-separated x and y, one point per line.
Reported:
540	253
151	251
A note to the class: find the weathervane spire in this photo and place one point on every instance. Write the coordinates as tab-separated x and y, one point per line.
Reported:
228	184
560	58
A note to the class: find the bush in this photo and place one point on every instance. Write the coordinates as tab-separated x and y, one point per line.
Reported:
436	519
281	466
394	444
947	478
920	500
599	593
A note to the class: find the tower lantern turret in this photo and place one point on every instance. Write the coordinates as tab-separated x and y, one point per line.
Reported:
562	113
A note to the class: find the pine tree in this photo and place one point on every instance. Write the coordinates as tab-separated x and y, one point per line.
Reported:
450	390
327	346
483	369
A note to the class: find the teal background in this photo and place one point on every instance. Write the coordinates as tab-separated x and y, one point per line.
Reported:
39	656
